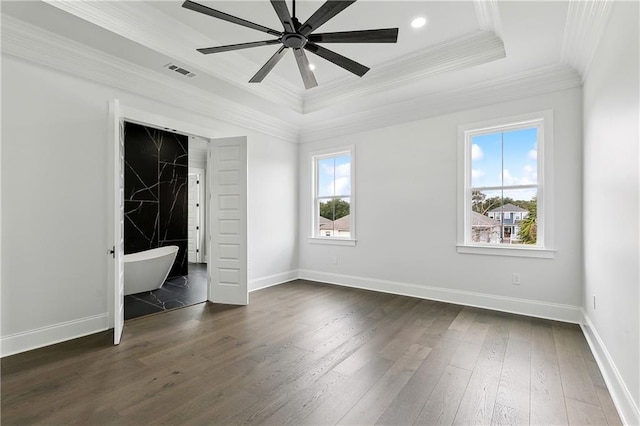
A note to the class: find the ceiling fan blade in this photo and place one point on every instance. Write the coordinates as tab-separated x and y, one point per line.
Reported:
229	47
266	68
303	64
339	60
386	35
327	11
282	10
188	4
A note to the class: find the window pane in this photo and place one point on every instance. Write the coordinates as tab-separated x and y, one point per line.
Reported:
486	160
523	225
521	157
326	177
325	220
486	202
343	175
504	217
335	218
334	176
485	220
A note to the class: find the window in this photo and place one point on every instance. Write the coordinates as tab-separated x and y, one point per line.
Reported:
503	186
333	209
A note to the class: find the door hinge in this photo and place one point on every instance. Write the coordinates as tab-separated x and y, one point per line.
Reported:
197	228
197	182
197	204
112	252
197	251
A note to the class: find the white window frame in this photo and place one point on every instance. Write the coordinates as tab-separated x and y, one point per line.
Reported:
544	247
316	237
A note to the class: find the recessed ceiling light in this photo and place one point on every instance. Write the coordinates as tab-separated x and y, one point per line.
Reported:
419	22
312	67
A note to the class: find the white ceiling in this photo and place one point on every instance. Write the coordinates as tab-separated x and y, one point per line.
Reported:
447	20
464	44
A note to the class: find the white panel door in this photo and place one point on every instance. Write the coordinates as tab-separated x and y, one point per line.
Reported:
116	126
227	225
193	219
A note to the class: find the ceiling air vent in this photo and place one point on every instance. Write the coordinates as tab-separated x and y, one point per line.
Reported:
180	70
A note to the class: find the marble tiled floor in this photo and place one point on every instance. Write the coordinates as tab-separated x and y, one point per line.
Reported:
176	292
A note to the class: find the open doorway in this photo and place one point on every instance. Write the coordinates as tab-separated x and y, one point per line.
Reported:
164	263
225	205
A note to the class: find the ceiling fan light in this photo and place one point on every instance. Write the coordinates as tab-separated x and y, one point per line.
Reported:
419	22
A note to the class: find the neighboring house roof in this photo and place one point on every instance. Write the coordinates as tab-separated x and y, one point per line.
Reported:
325	223
508	208
480	220
342	224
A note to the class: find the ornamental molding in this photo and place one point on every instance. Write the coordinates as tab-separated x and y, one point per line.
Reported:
522	85
146	25
469	50
42	47
488	16
586	21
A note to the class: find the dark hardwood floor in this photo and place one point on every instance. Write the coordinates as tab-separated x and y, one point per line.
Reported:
309	353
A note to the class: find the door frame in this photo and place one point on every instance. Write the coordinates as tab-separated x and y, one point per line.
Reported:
202	197
150	119
116	270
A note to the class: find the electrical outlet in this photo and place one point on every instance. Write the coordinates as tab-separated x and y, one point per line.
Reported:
515	279
334	260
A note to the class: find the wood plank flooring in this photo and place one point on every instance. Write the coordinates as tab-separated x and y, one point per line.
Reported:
310	353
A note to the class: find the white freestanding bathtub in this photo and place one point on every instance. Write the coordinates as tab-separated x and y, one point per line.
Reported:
147	270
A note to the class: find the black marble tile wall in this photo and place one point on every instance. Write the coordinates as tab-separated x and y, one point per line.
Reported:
140	225
155	191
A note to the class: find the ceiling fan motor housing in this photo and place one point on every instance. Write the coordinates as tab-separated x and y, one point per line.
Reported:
294	40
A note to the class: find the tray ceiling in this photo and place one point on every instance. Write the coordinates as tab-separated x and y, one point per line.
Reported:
463	44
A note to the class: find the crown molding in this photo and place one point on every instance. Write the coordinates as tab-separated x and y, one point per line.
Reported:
146	25
469	50
34	44
586	21
531	83
488	16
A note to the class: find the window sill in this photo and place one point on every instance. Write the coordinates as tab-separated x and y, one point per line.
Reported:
332	241
535	252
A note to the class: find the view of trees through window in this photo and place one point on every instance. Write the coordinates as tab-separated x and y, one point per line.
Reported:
527	230
333	195
334	209
504	185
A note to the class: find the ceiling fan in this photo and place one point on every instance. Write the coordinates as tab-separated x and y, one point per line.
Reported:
300	37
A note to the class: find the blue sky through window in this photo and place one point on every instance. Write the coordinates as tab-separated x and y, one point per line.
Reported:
334	176
518	150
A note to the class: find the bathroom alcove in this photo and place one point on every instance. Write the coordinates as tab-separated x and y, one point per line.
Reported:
158	212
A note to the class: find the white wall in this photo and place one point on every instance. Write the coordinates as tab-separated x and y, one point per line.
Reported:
274	175
406	204
611	206
55	201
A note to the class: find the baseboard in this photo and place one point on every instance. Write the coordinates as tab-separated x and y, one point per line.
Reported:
50	335
33	339
271	280
533	308
627	408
